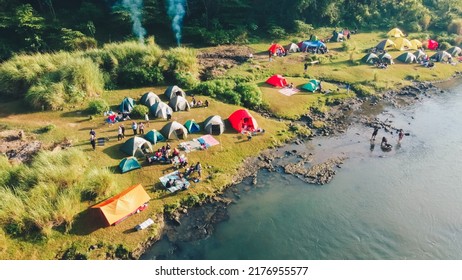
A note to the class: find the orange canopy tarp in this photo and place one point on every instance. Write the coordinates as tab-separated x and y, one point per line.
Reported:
118	207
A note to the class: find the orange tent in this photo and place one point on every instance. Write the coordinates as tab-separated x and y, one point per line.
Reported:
274	47
118	207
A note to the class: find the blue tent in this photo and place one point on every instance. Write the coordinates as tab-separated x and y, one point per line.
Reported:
129	164
127	105
312	44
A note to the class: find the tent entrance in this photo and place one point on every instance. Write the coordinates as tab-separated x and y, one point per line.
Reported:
179	133
216	129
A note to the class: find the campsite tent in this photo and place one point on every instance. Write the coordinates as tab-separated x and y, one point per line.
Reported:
386	58
431	44
385	44
129	164
149	99
136	146
126	105
174	130
416	44
403	44
275	47
407	57
154	136
192	126
277	81
370	58
160	110
173	91
441	56
395	32
454	51
179	103
292	48
312	45
214	125
337	37
119	207
310	86
241	119
419	55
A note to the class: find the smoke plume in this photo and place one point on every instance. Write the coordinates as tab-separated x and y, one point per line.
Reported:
176	11
135	8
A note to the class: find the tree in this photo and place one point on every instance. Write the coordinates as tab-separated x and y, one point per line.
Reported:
30	27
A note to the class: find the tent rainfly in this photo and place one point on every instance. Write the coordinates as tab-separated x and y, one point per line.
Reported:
274	48
174	130
292	48
431	44
192	126
179	103
173	91
214	125
242	119
403	44
370	58
454	51
385	44
407	57
310	86
117	208
127	105
386	57
441	56
277	81
416	44
136	146
154	136
419	55
160	110
149	99
128	164
395	32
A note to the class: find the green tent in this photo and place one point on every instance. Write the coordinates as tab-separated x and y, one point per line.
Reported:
154	136
129	164
386	57
454	51
192	126
370	58
315	82
136	146
311	87
127	105
337	37
407	57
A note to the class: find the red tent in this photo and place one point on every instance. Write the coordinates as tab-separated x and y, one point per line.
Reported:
277	81
274	47
432	44
242	120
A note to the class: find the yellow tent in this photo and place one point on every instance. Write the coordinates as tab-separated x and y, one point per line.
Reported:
402	44
120	206
416	44
395	32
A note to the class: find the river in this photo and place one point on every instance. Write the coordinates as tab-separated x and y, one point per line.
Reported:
403	204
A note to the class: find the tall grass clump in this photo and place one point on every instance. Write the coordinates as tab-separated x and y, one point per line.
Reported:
100	183
12	211
181	66
97	106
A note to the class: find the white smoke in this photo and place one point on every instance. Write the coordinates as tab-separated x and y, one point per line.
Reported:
135	8
176	11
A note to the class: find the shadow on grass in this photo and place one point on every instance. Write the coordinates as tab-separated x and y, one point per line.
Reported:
114	151
76	114
87	222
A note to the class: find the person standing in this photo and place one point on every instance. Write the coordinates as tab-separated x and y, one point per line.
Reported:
141	128
135	128
305	66
198	169
93	141
119	133
146	119
400	135
123	130
92	132
374	134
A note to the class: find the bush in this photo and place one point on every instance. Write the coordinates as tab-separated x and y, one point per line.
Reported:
133	75
455	27
444	45
97	106
251	95
45	129
181	66
139	111
302	29
100	183
276	32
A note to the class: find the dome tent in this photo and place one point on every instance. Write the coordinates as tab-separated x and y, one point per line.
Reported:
149	99
154	136
419	55
292	47
127	105
370	58
385	44
441	56
173	91
395	32
192	126
277	81
407	57
179	103
402	44
174	130
214	125
128	164
136	146
454	51
160	110
416	44
310	86
241	119
386	58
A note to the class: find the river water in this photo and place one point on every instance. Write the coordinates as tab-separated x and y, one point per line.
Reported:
403	204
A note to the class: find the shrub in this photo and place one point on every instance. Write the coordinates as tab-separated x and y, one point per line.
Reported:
134	74
190	200
139	111
346	46
276	32
181	60
302	29
455	26
99	183
45	129
444	45
251	95
97	106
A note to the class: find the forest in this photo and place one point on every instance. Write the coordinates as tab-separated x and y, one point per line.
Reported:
50	25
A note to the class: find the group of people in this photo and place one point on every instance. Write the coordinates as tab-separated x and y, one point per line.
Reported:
199	103
184	177
384	144
162	155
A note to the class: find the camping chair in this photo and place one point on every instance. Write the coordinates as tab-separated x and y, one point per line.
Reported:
101	141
